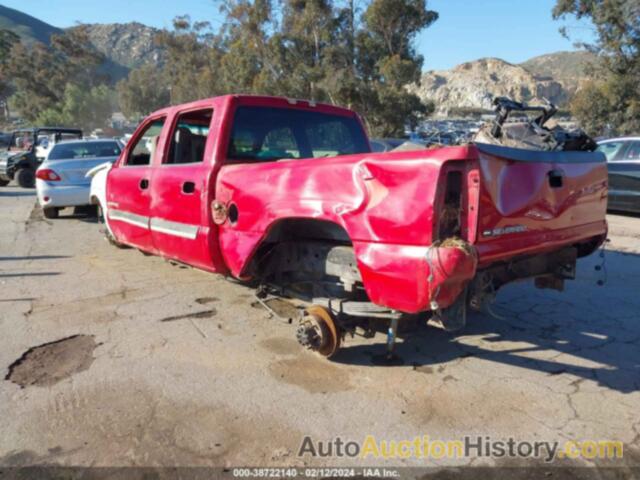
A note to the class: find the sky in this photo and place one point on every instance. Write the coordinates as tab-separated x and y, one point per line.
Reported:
514	30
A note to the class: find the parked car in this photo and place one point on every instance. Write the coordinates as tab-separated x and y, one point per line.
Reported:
287	193
5	138
27	150
623	161
385	144
61	179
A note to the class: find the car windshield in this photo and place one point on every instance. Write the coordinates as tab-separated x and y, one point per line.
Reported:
22	140
81	150
610	149
267	134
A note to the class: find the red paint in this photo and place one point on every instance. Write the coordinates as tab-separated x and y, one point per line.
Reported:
388	204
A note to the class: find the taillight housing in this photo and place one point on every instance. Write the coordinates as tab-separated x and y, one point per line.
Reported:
47	175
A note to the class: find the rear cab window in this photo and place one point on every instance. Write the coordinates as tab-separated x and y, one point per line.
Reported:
145	145
263	134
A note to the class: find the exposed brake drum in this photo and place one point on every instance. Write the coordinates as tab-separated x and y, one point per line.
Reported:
318	331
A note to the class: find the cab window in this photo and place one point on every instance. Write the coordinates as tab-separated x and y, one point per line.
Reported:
263	134
189	137
144	148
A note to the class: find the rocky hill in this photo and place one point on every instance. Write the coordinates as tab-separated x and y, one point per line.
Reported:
125	46
129	45
472	85
568	68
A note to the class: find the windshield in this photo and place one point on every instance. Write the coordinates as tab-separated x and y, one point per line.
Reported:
81	150
267	134
22	140
610	149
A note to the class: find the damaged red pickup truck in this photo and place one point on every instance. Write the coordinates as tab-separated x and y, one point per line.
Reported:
287	194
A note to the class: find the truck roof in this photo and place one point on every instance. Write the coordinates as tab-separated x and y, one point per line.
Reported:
258	100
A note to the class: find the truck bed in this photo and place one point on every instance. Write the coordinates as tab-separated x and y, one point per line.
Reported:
397	208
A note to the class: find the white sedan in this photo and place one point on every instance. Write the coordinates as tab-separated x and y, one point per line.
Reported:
61	179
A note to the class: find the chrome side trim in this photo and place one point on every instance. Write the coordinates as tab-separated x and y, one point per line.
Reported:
183	230
128	217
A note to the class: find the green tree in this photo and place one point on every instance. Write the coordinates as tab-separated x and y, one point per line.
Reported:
314	49
188	72
615	95
40	73
80	107
7	40
144	91
248	51
390	28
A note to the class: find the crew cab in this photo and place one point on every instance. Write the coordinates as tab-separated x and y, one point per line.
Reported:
287	194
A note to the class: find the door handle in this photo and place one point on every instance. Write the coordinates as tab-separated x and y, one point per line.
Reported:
188	187
144	184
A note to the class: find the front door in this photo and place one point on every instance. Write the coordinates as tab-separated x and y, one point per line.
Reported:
129	187
179	224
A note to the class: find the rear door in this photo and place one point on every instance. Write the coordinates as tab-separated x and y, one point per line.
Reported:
624	177
129	186
179	227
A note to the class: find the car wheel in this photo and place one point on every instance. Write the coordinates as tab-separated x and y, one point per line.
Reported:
107	233
4	183
51	212
26	178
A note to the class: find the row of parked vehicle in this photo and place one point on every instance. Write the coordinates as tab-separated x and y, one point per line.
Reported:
56	160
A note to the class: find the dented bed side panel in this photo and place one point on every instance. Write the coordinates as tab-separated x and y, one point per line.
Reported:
385	203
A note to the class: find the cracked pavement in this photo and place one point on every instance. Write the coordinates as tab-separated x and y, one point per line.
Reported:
187	372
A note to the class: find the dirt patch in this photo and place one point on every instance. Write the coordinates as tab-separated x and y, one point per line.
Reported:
52	362
281	346
133	424
311	372
280	307
187	316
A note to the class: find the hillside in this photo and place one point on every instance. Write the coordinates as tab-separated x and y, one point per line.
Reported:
473	85
129	45
125	46
568	68
29	28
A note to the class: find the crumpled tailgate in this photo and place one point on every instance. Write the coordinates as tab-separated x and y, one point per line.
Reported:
534	201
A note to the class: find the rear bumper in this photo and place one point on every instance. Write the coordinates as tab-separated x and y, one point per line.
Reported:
62	196
413	279
536	242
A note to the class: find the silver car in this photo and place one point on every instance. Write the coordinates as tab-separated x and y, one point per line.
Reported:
61	180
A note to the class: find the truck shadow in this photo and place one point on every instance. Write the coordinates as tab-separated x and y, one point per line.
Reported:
33	257
22	193
588	331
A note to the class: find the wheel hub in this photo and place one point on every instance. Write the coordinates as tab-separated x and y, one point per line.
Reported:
317	331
